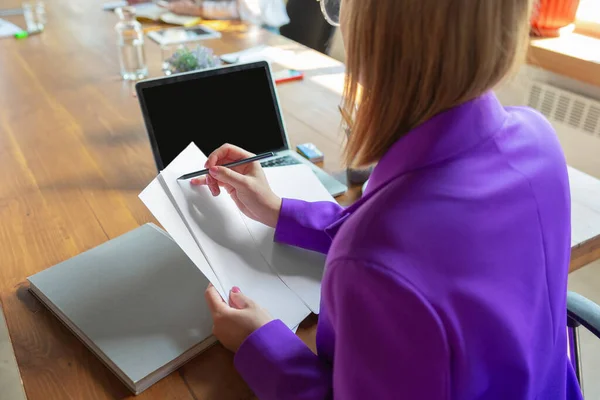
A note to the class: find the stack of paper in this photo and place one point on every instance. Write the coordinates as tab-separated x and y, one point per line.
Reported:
297	58
233	250
8	29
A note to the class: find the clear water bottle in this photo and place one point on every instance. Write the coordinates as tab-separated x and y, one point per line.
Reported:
131	45
34	12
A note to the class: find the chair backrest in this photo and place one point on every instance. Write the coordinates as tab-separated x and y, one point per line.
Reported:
307	25
580	311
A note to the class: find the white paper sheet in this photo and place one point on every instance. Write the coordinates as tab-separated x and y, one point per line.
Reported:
149	10
158	202
223	237
301	270
260	53
8	29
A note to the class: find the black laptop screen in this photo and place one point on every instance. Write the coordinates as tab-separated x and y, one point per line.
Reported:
236	107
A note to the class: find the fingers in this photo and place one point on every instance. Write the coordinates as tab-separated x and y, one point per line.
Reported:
239	300
217	306
214	300
199	181
223	155
213	185
228	176
226	154
204	180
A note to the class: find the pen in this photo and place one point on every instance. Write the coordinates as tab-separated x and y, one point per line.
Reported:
230	165
14	11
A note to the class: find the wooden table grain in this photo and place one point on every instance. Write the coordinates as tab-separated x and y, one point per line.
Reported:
74	155
585	219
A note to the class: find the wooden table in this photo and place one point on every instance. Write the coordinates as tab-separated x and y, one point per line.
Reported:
74	156
585	219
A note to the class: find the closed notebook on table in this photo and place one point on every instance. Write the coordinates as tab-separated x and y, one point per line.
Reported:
136	301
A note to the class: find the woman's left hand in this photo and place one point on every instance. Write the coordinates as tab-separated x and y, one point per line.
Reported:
235	321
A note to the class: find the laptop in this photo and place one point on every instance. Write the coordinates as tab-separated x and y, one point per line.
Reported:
235	104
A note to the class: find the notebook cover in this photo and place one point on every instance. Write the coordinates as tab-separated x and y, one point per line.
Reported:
138	299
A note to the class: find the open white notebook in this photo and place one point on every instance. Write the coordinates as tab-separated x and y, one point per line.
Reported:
233	250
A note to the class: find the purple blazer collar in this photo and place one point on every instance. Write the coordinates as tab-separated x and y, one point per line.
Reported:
441	138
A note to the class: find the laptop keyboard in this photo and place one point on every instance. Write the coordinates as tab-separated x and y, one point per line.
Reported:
280	162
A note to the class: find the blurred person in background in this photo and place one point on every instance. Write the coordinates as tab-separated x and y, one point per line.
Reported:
269	13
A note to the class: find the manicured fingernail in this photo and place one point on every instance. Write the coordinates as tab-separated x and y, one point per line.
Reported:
236	289
195	181
214	171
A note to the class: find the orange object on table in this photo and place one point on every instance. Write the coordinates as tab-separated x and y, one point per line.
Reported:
552	15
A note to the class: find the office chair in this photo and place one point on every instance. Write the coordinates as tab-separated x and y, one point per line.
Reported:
580	312
307	25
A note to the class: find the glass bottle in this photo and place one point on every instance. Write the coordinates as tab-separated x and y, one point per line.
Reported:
40	13
130	42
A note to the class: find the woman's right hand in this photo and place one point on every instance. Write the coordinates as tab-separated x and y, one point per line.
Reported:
246	184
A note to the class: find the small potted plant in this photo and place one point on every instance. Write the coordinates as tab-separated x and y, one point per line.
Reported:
185	60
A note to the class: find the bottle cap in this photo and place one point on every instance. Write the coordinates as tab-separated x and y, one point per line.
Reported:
21	35
126	13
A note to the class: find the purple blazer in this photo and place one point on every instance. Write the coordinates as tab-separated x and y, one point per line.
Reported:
446	280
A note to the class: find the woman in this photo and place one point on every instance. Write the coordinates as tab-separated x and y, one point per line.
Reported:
447	279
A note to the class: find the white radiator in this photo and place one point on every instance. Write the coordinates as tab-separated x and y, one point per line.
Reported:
576	119
563	107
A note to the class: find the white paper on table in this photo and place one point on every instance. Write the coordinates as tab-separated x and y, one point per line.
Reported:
160	205
301	270
149	10
286	58
220	232
8	29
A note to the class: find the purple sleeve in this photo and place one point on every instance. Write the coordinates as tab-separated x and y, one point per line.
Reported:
389	343
302	224
276	365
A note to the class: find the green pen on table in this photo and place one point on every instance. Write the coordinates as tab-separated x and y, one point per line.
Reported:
26	34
